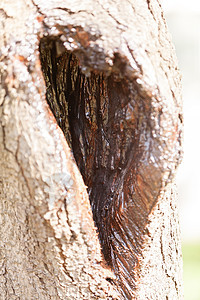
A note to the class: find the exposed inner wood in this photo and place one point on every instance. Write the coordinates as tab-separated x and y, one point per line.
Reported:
104	119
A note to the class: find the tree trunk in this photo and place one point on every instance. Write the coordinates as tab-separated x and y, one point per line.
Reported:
91	132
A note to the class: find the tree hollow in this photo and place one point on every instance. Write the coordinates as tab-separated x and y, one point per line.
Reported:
104	117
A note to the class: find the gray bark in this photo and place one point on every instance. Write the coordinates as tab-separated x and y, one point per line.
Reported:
49	244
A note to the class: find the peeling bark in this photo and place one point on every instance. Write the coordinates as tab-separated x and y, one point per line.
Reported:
112	83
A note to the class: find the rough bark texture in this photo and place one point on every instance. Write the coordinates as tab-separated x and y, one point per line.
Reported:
111	81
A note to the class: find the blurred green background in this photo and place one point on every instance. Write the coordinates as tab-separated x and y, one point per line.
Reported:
191	270
183	19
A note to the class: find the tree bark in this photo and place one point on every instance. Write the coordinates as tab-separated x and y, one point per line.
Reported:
88	208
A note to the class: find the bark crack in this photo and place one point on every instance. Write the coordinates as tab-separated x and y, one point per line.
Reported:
38	8
21	168
4	139
113	18
151	10
4	14
70	12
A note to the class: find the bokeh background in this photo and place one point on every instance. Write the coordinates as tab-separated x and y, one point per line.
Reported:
183	18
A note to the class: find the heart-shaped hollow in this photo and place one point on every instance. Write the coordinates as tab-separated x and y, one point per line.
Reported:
106	122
